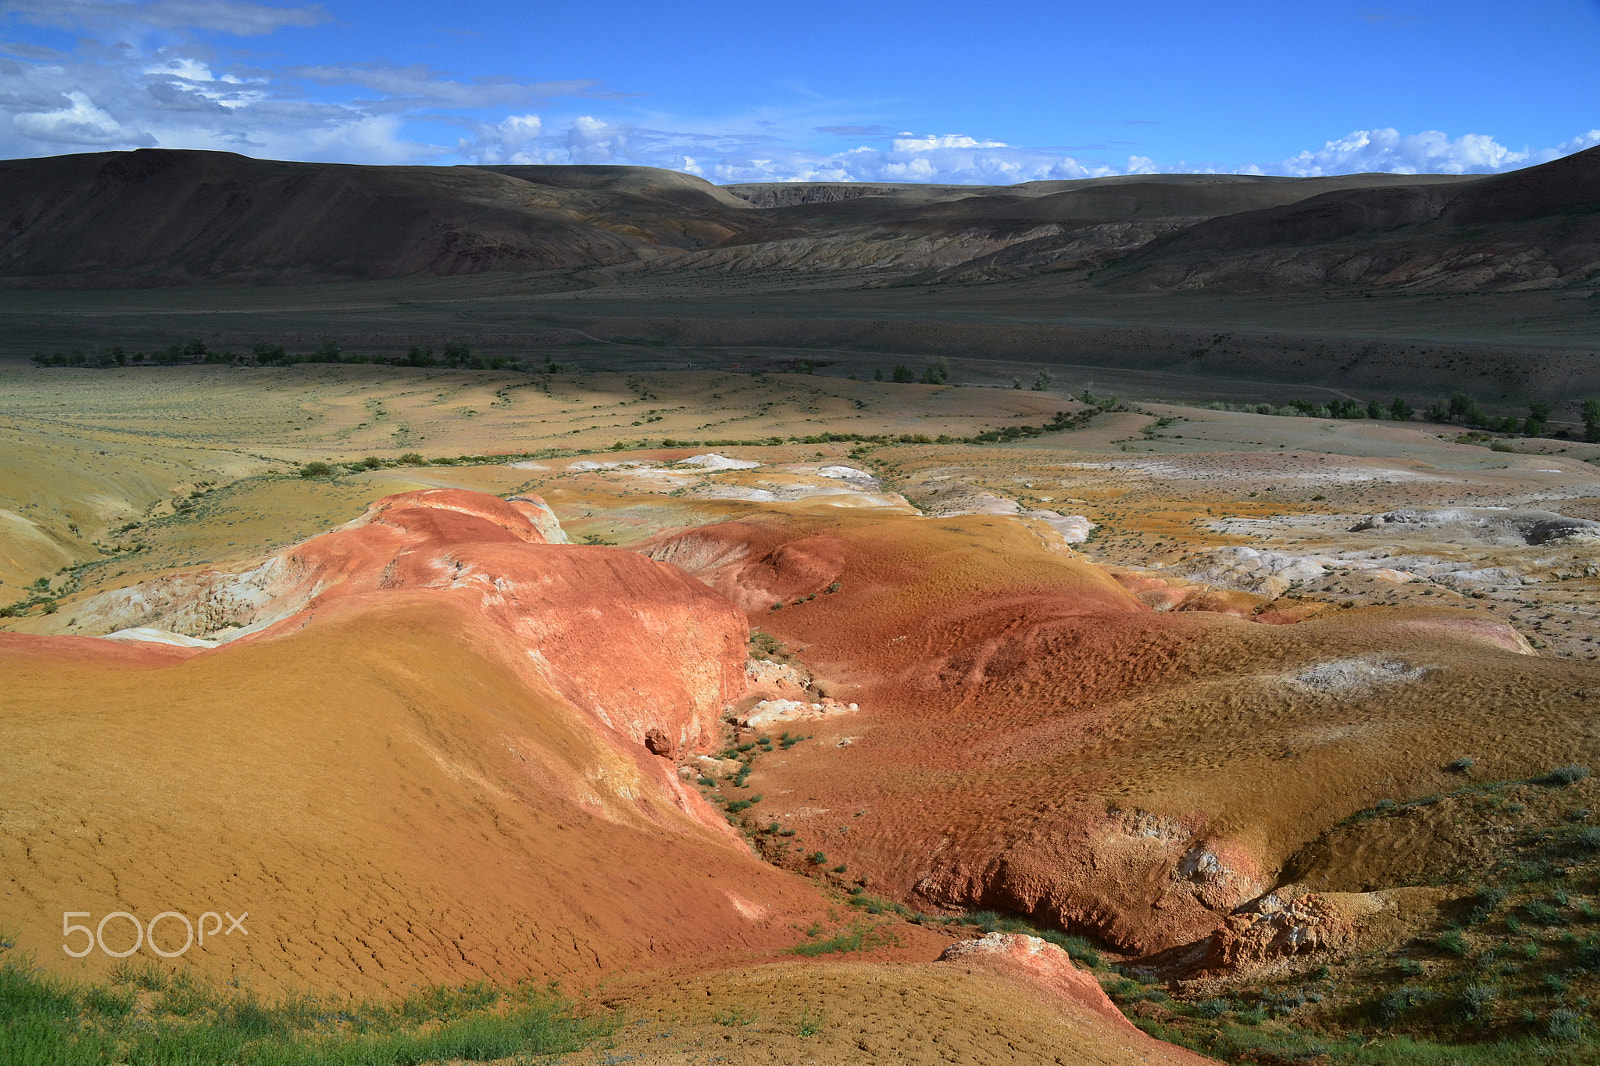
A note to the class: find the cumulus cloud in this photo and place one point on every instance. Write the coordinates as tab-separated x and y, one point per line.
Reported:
515	139
79	124
589	140
1385	150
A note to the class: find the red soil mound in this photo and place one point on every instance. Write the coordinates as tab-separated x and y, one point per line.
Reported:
1072	991
1033	737
439	768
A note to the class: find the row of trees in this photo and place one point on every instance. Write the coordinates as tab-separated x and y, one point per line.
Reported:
935	373
455	354
1460	410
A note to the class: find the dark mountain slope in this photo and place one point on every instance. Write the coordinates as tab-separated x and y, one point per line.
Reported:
1538	227
159	217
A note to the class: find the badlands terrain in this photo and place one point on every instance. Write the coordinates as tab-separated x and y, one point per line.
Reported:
771	641
650	720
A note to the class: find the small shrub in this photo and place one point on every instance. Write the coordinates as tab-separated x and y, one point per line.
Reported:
1485	900
316	469
1475	1002
1463	765
1397	1001
1565	775
1454	943
808	1024
1077	948
1564	1024
1212	1008
1541	912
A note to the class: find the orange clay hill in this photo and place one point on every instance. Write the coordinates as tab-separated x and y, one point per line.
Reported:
443	756
1029	736
440	744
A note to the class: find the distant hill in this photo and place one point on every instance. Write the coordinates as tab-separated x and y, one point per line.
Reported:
1533	228
156	217
160	217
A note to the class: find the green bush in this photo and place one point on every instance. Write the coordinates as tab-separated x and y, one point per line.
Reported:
1398	1000
1475	1002
1565	775
316	469
1564	1024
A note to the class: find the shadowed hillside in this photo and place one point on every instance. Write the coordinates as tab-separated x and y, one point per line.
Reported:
1534	228
160	217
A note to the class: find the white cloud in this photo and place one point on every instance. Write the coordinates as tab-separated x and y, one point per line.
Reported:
238	18
139	76
513	140
908	142
420	85
82	123
1386	151
183	67
1577	144
589	140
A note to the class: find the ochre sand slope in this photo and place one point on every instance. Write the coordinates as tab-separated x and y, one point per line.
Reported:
386	780
970	1010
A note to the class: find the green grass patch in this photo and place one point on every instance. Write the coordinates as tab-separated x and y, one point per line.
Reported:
147	1017
859	937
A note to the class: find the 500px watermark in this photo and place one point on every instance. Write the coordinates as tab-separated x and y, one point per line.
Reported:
146	933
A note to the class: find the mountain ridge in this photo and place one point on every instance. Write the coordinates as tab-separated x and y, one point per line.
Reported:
161	217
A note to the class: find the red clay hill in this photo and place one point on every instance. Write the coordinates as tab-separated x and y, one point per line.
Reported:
1032	737
438	762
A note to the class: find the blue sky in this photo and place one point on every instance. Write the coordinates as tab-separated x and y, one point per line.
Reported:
973	92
